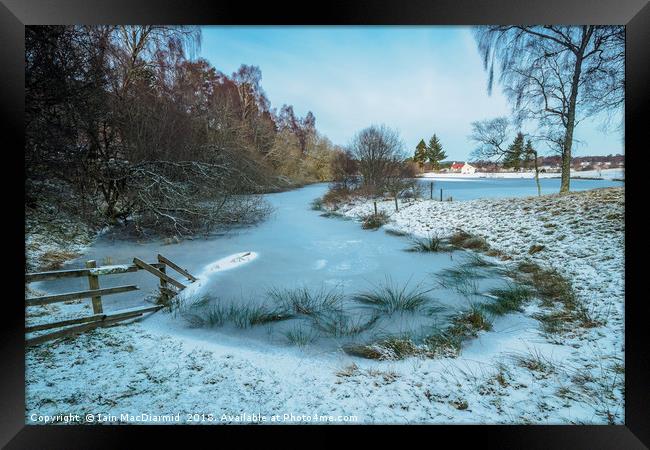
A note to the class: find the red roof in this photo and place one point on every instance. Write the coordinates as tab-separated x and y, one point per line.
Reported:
457	165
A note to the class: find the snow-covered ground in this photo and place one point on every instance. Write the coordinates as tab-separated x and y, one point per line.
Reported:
513	374
605	174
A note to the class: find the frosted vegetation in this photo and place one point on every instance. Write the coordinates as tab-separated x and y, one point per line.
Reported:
329	284
483	329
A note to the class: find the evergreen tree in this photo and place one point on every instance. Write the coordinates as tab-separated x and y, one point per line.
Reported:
530	155
420	153
435	153
515	153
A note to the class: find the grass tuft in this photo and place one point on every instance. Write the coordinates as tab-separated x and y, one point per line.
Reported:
443	344
462	279
300	336
508	299
390	298
206	312
338	324
469	323
304	301
475	260
426	244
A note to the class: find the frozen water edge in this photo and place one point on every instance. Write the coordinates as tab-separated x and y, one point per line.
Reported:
156	367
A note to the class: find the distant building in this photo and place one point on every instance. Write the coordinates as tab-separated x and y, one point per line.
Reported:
463	168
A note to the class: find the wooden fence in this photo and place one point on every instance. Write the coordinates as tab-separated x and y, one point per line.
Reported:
95	293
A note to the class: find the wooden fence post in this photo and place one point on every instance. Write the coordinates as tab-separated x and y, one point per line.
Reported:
375	208
163	285
93	283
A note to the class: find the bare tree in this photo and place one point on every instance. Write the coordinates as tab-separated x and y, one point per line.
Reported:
303	128
377	149
400	178
344	169
492	136
557	75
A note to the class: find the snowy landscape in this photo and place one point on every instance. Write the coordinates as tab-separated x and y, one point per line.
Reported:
514	373
197	256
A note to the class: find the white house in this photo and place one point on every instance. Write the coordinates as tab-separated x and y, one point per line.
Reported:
463	168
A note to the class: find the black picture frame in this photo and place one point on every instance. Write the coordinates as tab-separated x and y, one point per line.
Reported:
635	14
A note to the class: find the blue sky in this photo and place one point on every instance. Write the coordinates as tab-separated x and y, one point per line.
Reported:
418	80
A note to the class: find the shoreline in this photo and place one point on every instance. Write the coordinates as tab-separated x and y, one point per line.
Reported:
487	383
604	174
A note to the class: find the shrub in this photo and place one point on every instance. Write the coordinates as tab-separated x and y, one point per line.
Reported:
374	221
336	194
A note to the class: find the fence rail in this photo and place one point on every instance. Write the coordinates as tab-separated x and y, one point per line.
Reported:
47	299
77	273
95	292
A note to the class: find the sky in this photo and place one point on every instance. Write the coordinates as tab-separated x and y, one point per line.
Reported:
417	80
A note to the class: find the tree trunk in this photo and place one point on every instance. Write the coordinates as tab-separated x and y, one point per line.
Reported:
539	187
571	114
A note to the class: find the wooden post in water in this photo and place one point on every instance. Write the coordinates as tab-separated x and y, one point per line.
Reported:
431	189
93	283
440	194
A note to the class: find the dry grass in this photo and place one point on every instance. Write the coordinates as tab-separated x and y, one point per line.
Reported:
462	239
374	221
336	195
509	298
54	260
469	323
564	309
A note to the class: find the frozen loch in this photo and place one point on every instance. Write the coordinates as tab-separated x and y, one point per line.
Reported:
298	278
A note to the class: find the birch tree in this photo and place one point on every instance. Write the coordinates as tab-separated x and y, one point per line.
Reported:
556	75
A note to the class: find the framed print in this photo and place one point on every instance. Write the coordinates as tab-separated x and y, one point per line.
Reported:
363	215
